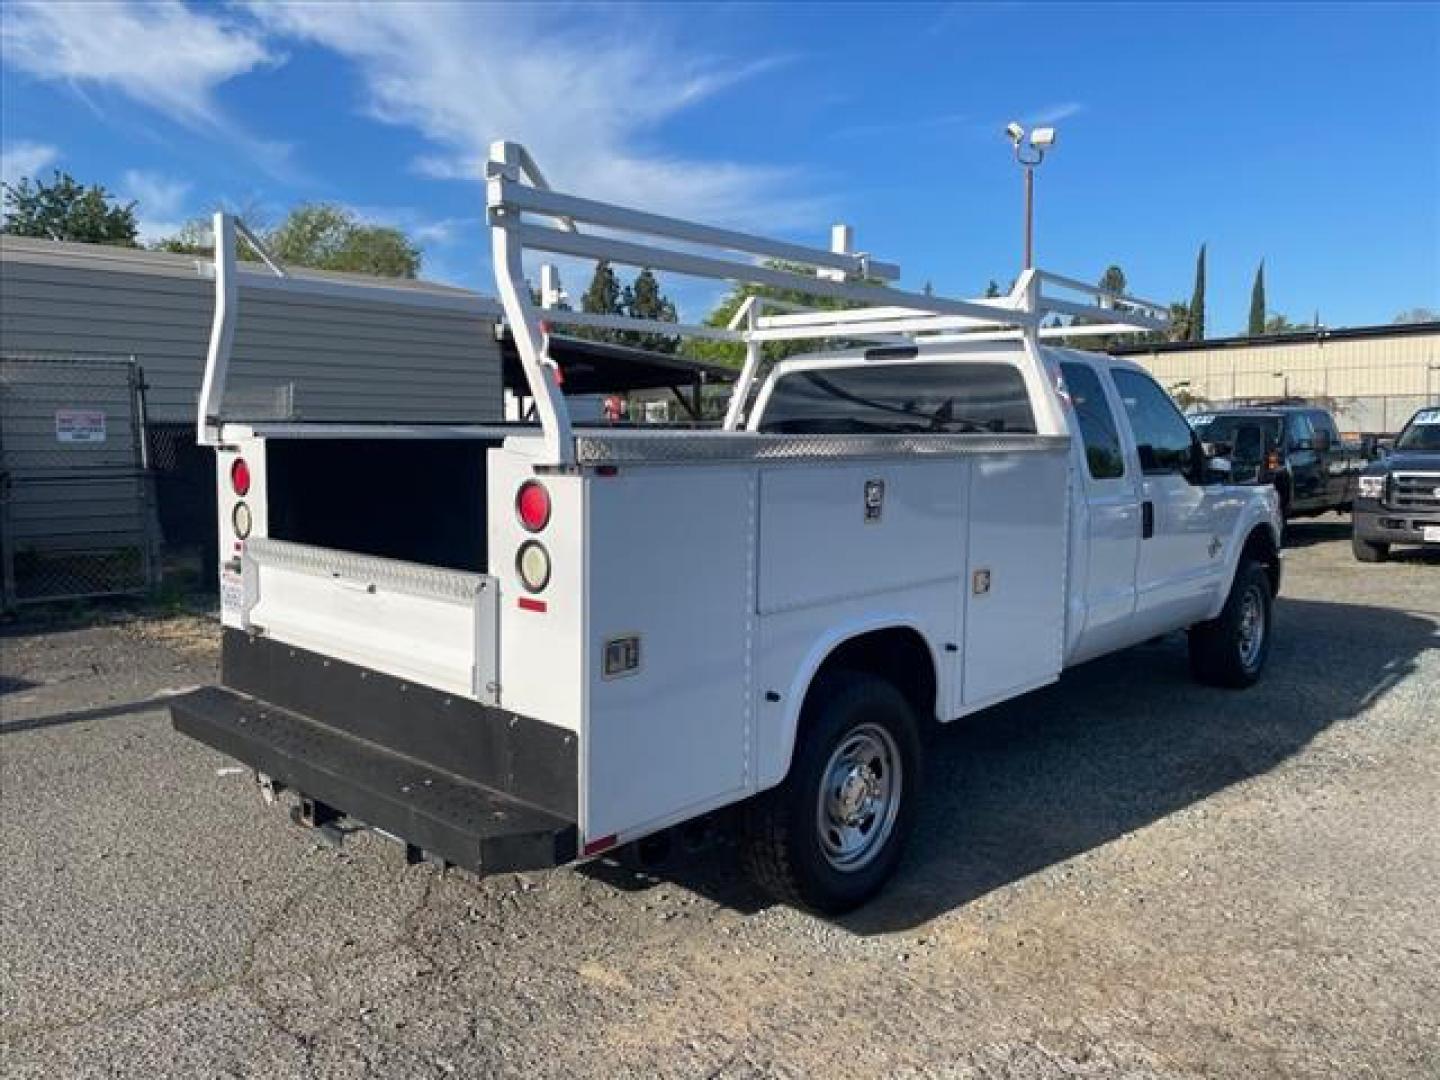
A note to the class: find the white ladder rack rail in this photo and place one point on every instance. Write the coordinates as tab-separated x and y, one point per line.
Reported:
517	195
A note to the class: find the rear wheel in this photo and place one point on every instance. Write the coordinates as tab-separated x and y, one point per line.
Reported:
1368	551
1231	649
830	836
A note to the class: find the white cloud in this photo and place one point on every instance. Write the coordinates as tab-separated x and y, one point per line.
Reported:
586	100
23	158
162	54
1053	114
160	202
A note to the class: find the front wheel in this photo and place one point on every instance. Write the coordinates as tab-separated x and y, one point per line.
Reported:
830	836
1366	551
1231	649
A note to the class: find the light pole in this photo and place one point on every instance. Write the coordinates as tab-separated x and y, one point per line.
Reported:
1030	150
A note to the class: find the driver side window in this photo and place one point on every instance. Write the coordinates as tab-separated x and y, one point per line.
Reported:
1162	435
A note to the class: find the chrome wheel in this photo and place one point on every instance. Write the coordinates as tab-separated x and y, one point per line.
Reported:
1252	628
859	797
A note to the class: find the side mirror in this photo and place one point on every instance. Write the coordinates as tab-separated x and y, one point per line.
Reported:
1321	441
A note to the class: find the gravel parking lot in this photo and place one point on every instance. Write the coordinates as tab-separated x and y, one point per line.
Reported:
1125	874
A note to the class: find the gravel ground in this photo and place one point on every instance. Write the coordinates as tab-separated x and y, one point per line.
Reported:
1124	875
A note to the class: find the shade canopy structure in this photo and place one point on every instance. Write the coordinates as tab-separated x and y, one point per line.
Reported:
603	367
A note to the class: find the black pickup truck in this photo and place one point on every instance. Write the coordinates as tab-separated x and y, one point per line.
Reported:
1398	497
1297	448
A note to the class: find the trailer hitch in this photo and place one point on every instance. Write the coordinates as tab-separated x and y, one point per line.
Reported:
311	813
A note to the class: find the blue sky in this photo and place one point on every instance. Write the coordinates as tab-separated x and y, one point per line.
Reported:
1307	135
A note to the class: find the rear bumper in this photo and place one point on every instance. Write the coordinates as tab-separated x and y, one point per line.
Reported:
476	786
1393	526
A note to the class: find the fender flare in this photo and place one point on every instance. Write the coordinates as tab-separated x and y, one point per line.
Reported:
821	650
1255	516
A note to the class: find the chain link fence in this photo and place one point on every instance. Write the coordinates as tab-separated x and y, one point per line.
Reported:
77	508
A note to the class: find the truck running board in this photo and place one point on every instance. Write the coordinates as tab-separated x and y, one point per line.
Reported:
457	820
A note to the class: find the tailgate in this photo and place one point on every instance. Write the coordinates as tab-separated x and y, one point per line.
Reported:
430	625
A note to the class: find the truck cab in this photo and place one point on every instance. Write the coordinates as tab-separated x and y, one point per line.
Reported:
1156	527
1398	501
1298	451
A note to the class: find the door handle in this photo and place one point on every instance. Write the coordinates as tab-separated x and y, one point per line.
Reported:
1147	520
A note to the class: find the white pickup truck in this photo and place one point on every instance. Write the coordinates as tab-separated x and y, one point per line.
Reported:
513	646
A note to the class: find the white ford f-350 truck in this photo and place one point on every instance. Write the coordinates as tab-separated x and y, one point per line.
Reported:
513	646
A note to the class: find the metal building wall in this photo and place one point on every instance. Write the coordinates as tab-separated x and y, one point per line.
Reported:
320	357
1375	381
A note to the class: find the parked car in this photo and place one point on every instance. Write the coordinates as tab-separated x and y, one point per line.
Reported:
514	646
1297	449
1398	496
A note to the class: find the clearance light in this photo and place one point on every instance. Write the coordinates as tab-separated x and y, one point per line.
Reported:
240	520
533	564
240	477
532	504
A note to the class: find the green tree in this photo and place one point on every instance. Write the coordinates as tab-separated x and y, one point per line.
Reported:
644	300
329	237
1113	280
1277	323
733	353
315	235
64	209
603	297
1417	315
1256	325
1196	311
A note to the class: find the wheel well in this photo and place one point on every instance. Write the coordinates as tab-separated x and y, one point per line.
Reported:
1260	547
898	655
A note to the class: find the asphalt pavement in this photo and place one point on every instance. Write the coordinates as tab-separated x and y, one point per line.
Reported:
1122	875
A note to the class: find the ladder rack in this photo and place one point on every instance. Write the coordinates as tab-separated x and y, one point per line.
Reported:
525	216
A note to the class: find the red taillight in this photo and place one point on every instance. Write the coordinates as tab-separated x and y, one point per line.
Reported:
240	477
532	504
1272	460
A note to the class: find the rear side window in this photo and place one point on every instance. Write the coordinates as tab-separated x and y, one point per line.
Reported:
890	398
1162	437
1097	422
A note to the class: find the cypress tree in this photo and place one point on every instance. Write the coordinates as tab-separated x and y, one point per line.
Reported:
1197	300
602	298
1257	303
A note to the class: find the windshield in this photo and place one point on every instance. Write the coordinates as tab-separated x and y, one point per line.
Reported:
1222	427
891	398
1422	434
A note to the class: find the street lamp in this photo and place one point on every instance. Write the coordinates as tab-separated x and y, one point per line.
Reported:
1029	152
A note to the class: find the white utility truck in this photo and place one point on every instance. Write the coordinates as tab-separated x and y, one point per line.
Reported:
512	646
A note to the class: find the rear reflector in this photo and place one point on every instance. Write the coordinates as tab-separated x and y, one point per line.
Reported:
240	477
599	844
527	603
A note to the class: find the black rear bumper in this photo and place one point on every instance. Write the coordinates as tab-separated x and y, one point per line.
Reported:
478	787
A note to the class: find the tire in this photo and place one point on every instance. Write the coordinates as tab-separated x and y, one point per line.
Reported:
1368	551
858	743
1226	651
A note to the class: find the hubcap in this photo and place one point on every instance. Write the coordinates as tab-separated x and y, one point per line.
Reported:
859	797
1252	628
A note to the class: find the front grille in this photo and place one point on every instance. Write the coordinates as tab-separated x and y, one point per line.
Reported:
1414	491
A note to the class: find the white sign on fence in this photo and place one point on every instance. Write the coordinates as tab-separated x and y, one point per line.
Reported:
79	425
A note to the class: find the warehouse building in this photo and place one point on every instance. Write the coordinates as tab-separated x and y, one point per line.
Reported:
1373	378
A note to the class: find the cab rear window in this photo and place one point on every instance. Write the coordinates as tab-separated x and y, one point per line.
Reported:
901	399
